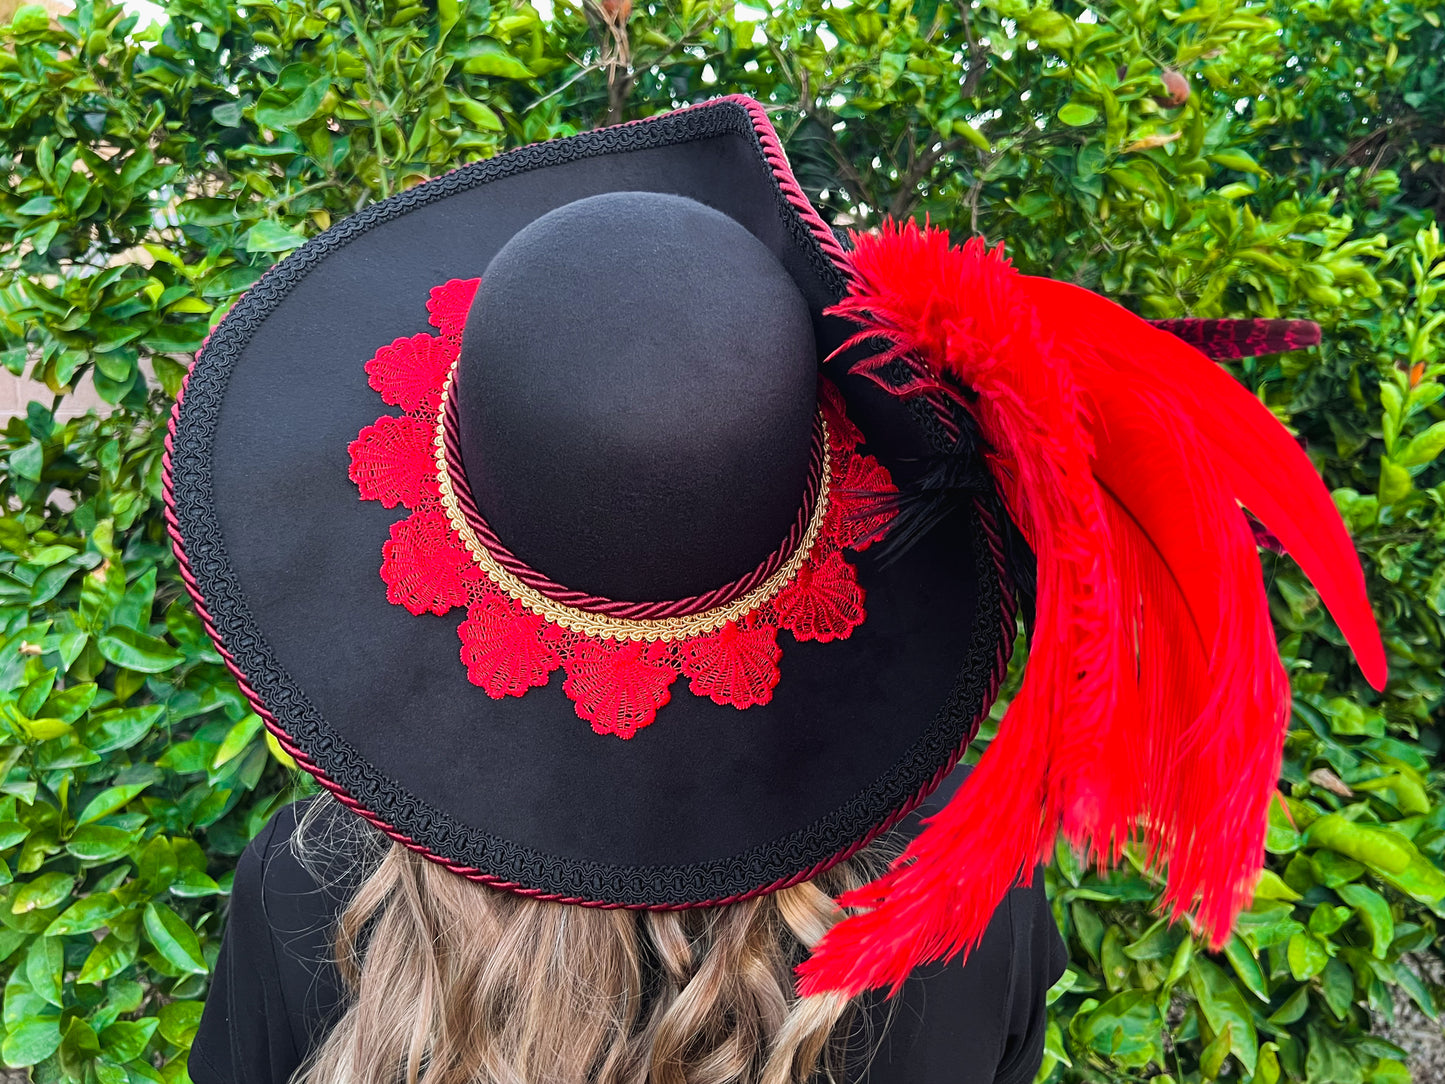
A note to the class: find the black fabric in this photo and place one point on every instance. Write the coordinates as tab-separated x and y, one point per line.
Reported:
275	993
637	385
706	803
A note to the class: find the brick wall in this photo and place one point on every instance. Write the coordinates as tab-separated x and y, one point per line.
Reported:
16	392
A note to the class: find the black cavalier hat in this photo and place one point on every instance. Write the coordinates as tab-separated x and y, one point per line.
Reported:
588	410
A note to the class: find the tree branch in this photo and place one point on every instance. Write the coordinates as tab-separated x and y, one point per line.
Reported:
607	20
977	58
906	198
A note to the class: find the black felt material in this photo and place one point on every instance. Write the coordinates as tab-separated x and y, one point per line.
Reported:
707	802
637	386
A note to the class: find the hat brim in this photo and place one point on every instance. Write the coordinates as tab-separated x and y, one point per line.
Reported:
710	803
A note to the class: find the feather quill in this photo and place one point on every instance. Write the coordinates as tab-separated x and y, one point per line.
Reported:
1222	339
1154	703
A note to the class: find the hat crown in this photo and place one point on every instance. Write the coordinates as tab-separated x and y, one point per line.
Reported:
636	395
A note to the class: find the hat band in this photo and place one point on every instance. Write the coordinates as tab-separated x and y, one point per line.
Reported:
619	669
611	618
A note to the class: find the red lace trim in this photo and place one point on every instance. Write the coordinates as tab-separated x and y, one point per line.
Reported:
617	685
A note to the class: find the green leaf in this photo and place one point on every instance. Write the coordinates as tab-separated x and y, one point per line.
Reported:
29	18
1062	986
1395	482
99	842
229	114
269	236
301	108
495	62
1158	941
972	135
1224	1007
1390	1071
1112	960
1306	955
134	610
137	651
42	729
109	957
120	728
448	12
1418	991
1077	114
1338	986
1237	160
1378	849
1293	1008
45	891
31	1041
285	759
1423	449
108	801
1268	1069
80	1042
1179	965
480	115
1421	879
230	282
1270	887
1126	1028
191	883
173	938
157	865
20	1000
28	461
1325	919
36	693
1211	1059
1054	1044
1246	967
126	1040
179	1020
86	914
44	969
1374	914
237	739
11	833
70	704
1391	856
1328	1061
1333	870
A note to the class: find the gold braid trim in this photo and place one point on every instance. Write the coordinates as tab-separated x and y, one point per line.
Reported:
604	626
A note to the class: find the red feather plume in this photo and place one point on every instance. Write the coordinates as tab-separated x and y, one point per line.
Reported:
1154	703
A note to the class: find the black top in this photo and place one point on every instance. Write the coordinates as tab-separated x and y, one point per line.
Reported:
275	989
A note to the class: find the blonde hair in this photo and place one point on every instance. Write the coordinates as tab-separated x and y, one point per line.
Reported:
453	982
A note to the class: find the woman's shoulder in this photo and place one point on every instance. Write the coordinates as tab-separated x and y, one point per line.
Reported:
301	868
296	877
274	991
311	852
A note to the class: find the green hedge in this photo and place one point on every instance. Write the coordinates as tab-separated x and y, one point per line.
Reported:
1207	158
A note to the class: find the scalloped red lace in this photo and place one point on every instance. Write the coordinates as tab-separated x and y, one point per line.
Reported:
616	684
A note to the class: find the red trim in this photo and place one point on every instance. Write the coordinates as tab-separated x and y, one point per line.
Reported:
784	174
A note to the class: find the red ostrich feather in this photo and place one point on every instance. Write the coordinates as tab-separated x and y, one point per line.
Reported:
1154	703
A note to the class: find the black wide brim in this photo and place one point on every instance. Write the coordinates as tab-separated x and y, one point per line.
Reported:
709	803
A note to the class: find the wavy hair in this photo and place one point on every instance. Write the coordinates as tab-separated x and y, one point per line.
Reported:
451	982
